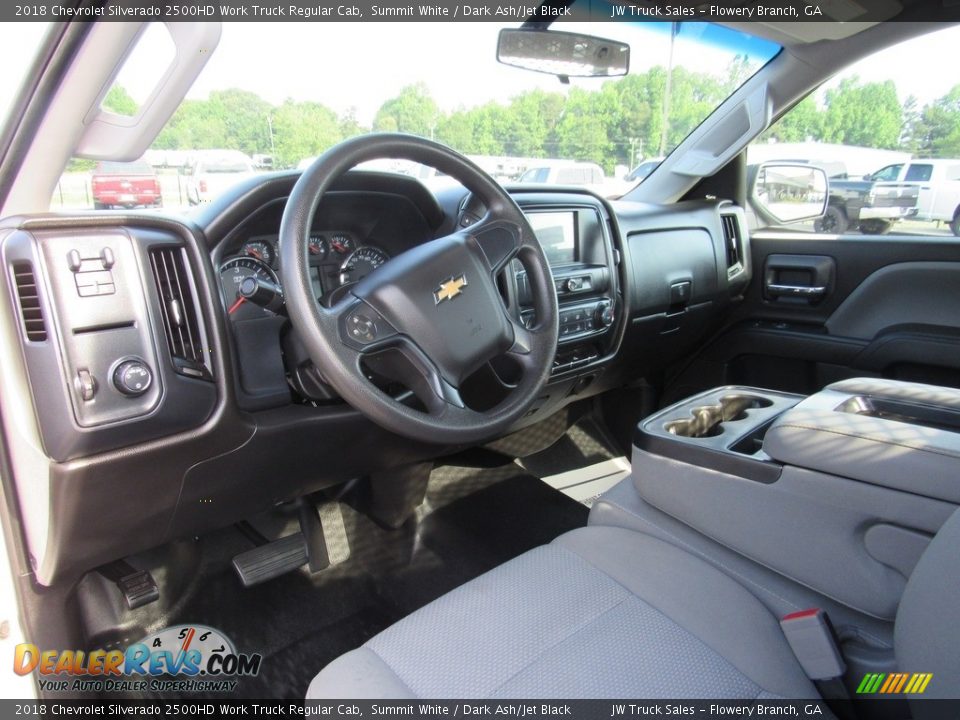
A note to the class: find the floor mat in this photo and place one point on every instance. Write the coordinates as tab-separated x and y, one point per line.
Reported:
588	483
583	444
582	464
472	520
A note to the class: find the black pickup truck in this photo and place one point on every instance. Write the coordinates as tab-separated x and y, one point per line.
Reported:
864	205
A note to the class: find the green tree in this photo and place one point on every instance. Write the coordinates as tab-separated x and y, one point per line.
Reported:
411	111
118	100
303	130
582	129
533	118
232	119
912	128
866	114
938	130
804	121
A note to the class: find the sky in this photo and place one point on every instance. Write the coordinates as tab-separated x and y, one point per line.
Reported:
358	66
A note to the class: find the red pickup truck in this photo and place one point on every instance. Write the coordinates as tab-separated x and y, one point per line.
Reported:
119	184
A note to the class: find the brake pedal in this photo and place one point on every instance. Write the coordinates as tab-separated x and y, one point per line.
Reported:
271	560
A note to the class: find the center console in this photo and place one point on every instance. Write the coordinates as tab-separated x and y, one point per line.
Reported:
575	238
840	492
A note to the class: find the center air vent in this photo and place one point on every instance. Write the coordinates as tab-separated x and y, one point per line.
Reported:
29	296
178	308
733	243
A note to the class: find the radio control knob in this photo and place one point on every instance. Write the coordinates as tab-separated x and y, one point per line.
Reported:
604	316
132	377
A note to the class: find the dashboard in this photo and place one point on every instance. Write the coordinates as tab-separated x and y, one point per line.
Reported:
165	406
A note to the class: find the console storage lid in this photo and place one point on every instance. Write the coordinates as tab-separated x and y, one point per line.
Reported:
900	435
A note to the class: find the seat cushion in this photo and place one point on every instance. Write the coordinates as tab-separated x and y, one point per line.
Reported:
600	612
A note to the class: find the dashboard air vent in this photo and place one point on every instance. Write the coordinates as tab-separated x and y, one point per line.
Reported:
29	296
179	311
733	243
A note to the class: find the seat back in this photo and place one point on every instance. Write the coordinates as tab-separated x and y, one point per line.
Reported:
927	631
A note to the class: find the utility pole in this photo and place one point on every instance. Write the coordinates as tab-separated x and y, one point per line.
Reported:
665	123
273	150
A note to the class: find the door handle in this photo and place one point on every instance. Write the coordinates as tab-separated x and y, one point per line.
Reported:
797	278
807	291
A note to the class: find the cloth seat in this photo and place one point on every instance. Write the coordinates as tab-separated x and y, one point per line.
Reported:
600	612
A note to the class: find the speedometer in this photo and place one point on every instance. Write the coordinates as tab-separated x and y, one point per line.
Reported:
363	261
232	273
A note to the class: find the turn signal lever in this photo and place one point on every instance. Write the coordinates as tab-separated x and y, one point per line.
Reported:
263	293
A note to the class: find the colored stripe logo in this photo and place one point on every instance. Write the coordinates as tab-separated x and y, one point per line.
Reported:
894	683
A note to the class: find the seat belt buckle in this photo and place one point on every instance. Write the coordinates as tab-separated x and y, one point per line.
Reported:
810	636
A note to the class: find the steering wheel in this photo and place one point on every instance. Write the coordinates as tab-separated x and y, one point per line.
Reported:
430	317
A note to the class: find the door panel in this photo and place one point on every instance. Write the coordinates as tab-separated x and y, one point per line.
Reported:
879	306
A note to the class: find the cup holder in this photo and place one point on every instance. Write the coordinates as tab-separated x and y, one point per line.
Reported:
707	420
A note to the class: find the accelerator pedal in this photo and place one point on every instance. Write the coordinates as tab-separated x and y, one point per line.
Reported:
271	560
321	542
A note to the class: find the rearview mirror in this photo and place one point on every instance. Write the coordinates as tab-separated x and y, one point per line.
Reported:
562	53
790	193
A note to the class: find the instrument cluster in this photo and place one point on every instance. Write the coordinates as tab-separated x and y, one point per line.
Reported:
337	259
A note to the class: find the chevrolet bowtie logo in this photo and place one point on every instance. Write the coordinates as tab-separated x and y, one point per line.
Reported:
449	289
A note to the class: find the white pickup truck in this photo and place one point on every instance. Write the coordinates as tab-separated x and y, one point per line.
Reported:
938	185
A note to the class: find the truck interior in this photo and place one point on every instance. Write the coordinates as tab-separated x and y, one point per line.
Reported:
481	438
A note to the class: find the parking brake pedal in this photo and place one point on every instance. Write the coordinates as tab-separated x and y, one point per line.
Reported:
137	586
271	560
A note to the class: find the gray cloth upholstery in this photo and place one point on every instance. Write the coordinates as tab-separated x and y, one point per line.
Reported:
600	612
927	632
622	506
917	458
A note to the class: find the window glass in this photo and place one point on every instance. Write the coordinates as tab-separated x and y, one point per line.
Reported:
873	127
283	93
888	174
918	173
18	42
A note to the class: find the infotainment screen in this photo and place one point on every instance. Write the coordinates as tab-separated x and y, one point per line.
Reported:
557	233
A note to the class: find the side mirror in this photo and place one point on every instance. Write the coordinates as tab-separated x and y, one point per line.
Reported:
563	54
790	193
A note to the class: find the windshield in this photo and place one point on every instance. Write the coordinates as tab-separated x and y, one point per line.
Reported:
278	95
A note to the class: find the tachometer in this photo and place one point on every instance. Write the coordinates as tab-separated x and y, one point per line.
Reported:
361	263
232	273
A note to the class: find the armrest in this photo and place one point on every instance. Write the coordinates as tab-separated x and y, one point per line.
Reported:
904	436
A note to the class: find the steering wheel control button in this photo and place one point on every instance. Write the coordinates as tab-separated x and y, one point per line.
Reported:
86	384
361	328
132	377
